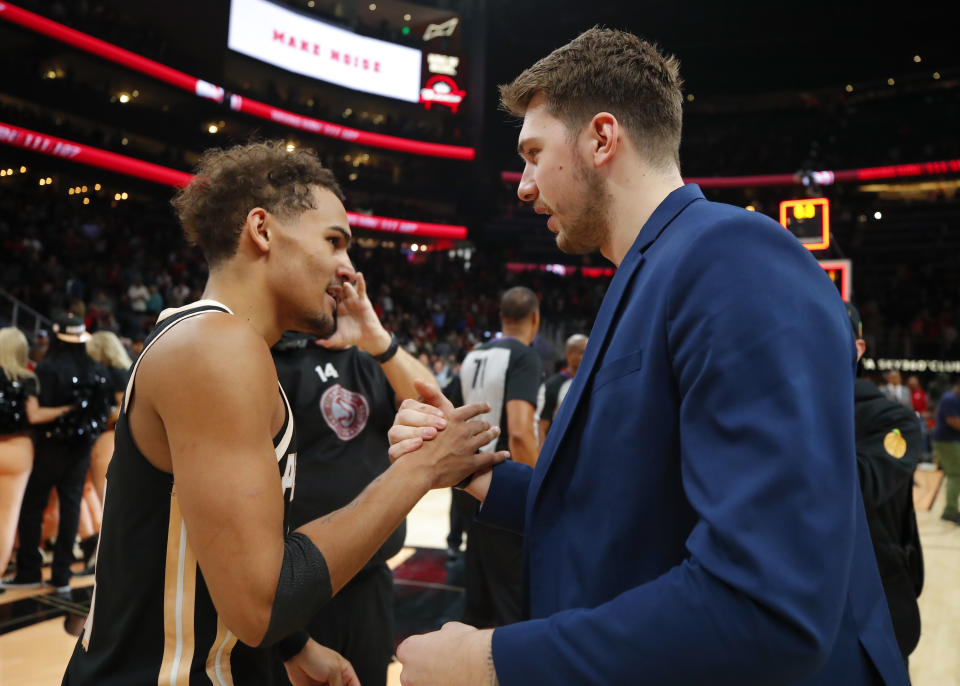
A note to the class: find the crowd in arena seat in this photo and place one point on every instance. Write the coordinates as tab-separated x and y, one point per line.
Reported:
120	263
119	266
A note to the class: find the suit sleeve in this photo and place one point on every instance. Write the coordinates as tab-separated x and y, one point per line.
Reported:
506	502
763	360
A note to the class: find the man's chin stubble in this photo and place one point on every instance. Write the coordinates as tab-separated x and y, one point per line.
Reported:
322	327
569	247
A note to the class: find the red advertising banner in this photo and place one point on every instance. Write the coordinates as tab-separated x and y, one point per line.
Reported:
819	178
94	157
325	128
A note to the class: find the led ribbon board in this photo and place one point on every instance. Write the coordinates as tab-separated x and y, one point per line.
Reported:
122	164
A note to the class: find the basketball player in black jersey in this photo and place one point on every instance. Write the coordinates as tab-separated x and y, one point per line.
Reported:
344	400
197	575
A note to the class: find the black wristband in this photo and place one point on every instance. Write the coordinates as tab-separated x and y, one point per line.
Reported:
303	588
391	350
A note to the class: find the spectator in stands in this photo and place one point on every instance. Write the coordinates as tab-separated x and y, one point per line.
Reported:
895	390
918	397
155	300
179	294
138	295
441	370
946	448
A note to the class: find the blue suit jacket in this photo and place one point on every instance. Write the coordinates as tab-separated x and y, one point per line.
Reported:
694	516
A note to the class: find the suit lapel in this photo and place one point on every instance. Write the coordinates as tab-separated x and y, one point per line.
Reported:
598	337
669	209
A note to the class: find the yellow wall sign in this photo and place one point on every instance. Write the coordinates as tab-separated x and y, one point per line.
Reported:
809	220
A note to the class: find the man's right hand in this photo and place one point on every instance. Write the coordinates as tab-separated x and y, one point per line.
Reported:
442	438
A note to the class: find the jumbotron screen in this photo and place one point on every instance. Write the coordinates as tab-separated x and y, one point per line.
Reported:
297	43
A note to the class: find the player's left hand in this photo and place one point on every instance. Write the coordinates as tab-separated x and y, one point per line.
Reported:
317	665
457	655
357	321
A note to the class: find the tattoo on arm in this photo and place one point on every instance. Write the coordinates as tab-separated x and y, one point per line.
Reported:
491	670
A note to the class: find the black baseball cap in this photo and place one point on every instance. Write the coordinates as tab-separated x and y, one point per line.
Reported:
855	321
70	329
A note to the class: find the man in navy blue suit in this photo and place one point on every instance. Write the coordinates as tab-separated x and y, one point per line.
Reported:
694	515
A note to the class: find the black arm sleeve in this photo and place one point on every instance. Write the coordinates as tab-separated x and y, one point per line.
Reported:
303	588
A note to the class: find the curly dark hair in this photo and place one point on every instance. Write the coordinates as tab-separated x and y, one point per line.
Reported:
604	70
230	182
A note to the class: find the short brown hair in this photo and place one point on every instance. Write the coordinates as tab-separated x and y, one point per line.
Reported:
231	182
604	70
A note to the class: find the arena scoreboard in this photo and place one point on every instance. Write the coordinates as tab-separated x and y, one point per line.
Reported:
841	273
809	220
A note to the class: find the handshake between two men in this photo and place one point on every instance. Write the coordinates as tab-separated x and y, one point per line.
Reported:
439	657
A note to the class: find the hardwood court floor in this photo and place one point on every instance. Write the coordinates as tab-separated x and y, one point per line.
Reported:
35	655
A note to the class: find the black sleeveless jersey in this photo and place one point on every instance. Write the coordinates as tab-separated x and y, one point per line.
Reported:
151	619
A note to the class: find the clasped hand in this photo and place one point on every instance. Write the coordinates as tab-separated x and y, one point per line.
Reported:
446	437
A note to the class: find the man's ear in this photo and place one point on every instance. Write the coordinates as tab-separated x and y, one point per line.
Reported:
256	230
603	134
861	348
